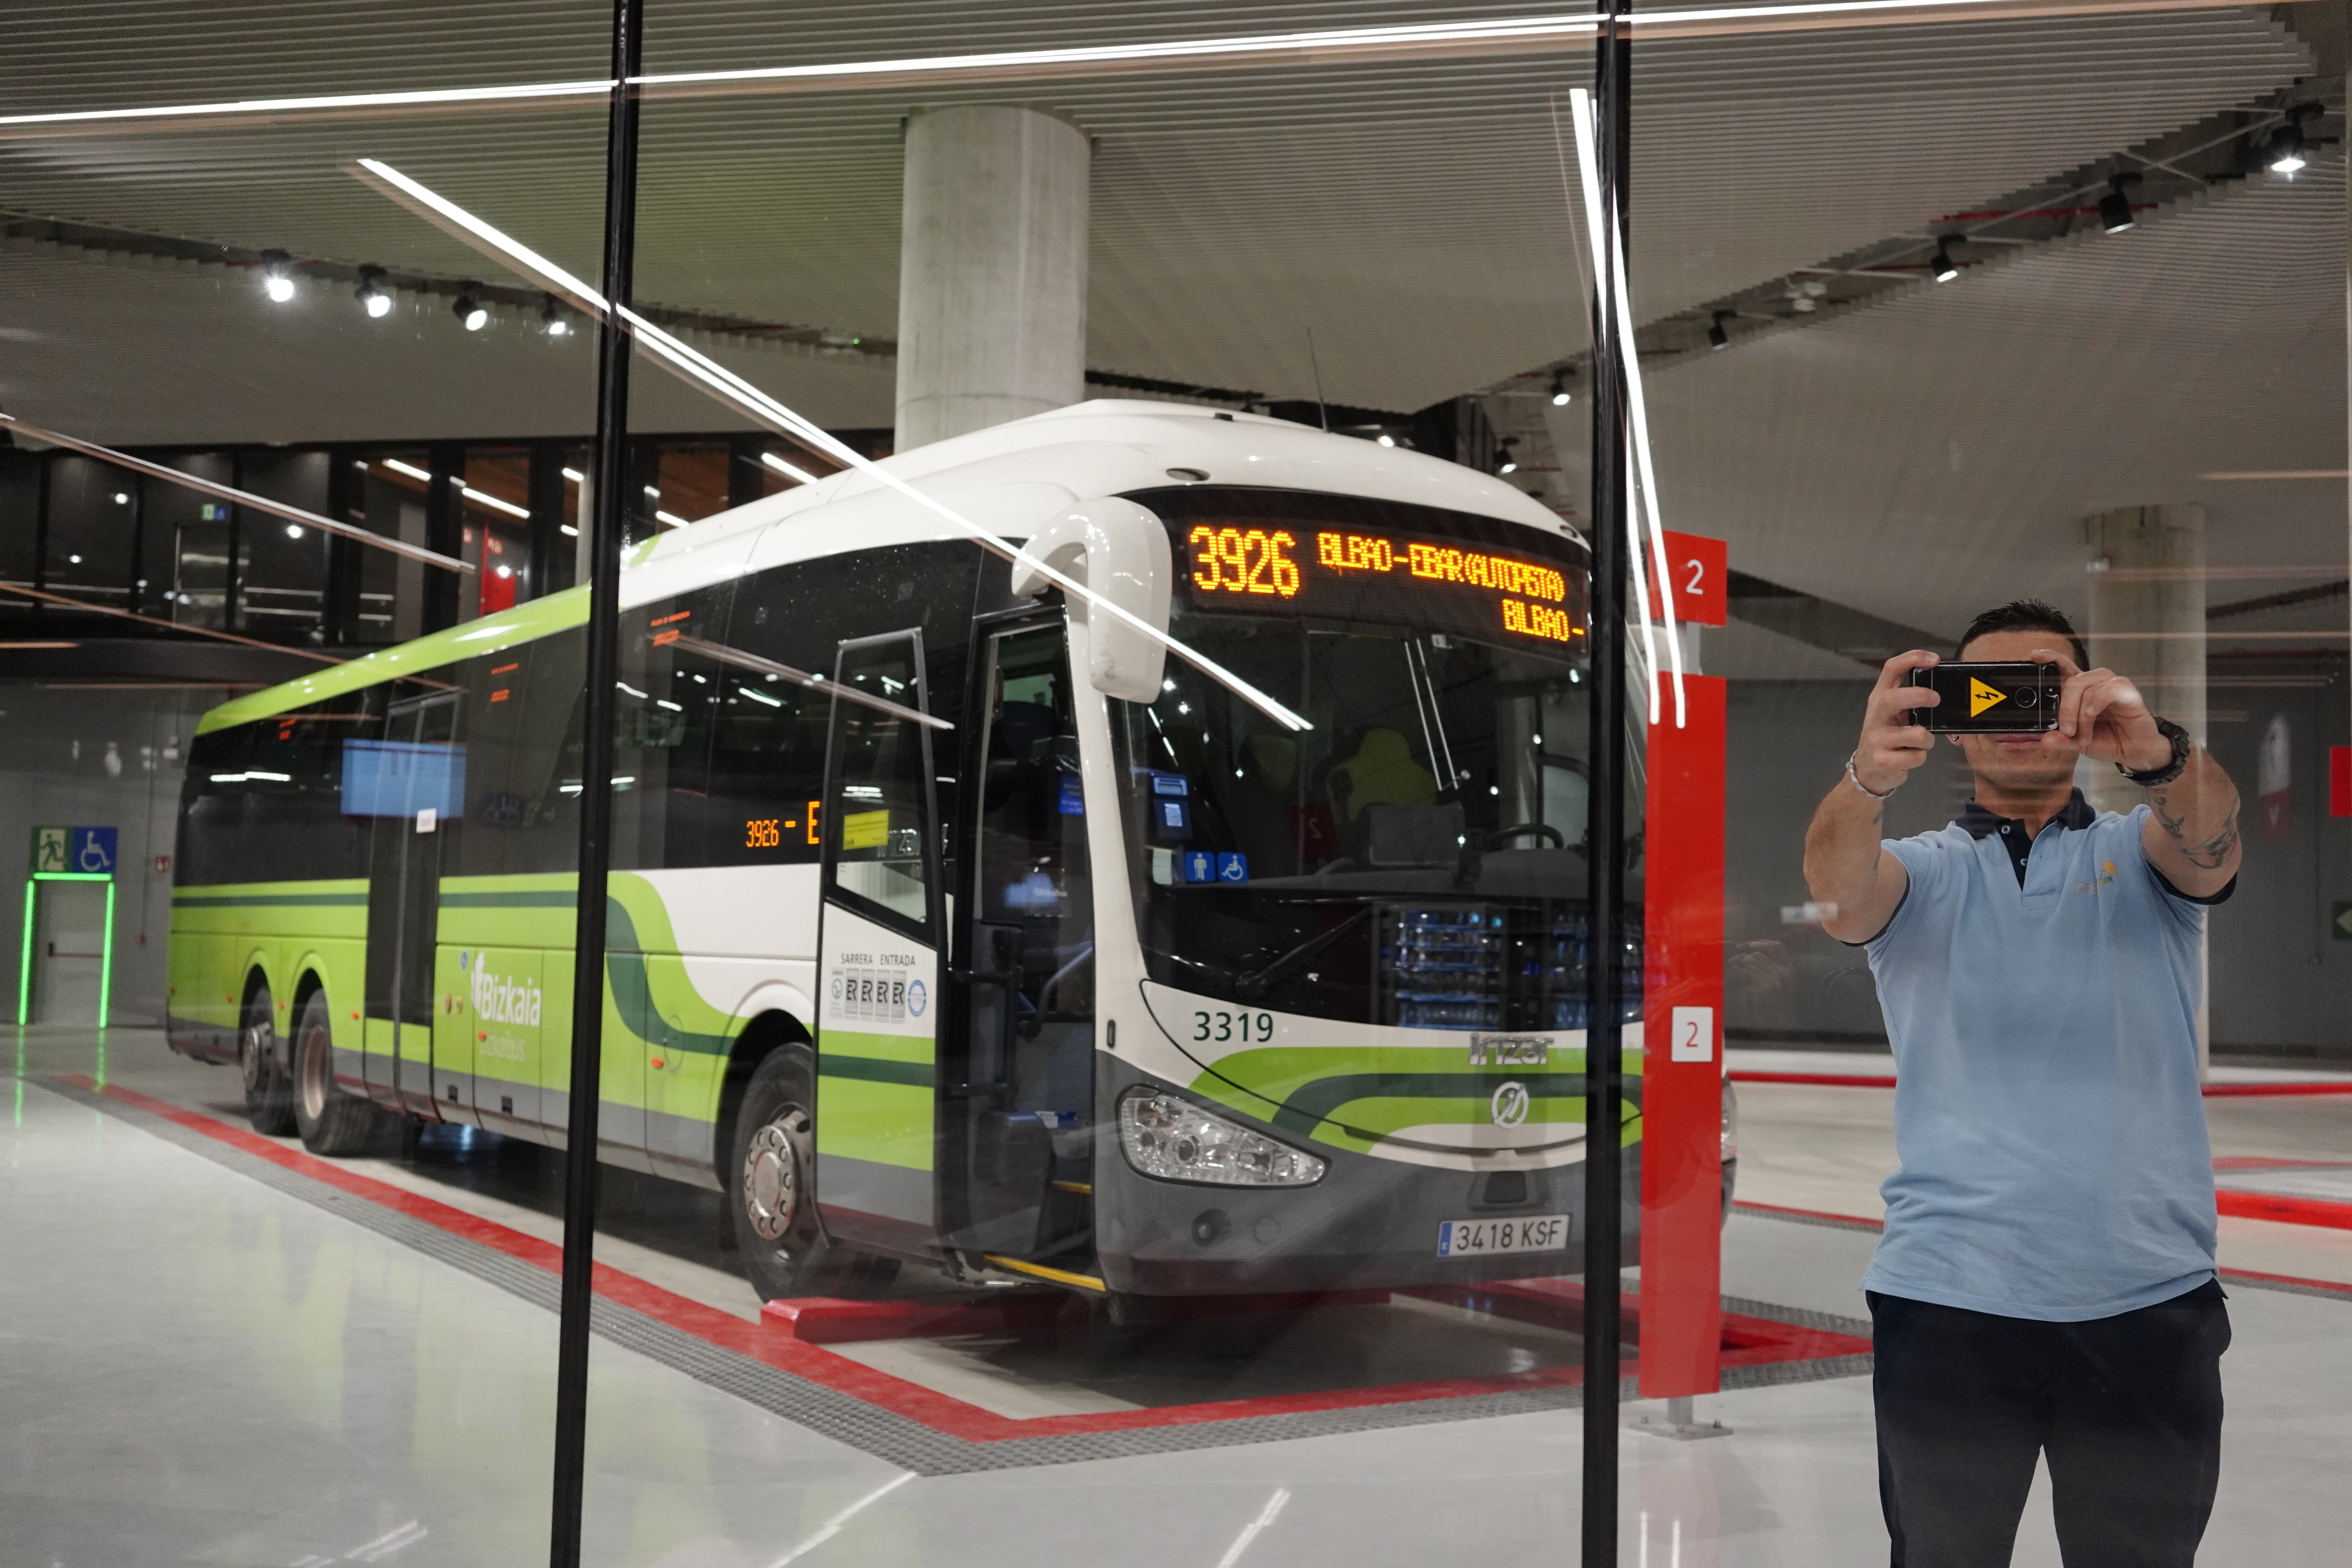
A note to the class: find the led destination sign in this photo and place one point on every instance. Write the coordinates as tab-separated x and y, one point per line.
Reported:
1354	573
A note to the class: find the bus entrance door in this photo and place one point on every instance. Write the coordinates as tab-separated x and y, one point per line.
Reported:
1021	1117
877	952
422	792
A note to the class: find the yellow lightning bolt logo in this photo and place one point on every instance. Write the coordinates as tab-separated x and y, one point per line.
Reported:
1981	697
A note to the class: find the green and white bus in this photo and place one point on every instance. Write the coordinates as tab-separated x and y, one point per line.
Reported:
946	926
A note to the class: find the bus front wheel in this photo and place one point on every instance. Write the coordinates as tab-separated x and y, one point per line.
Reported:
331	1122
268	1098
770	1197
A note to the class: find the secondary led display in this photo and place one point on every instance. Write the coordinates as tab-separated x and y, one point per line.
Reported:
1300	568
401	778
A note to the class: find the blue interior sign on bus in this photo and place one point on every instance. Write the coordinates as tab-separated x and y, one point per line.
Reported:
1214	865
74	851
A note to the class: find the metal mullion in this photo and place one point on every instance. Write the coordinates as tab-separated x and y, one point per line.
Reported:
604	633
1604	1031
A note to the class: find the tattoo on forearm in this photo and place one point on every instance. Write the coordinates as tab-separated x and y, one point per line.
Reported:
2214	853
2157	800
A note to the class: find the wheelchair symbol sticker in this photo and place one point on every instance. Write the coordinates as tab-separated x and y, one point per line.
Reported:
93	851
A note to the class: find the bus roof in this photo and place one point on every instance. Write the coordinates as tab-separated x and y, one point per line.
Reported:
522	624
1101	448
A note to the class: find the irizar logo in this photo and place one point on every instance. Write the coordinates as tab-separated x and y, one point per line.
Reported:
1509	1105
499	1000
1510	1050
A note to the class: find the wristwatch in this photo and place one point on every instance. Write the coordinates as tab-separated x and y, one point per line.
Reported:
2169	771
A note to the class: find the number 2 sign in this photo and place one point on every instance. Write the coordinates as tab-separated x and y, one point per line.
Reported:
1697	567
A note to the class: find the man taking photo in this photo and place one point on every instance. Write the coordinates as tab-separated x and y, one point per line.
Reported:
2045	1283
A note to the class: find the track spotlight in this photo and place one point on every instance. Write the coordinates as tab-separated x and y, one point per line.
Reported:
2289	154
471	311
1560	398
371	293
1942	267
278	276
552	319
1717	340
1504	462
2115	208
1385	440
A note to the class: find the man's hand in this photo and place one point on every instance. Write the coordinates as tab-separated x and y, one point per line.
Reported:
1893	742
2103	715
2192	836
1858	885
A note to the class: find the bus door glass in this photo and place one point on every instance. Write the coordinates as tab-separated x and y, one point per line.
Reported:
1022	1120
878	952
416	792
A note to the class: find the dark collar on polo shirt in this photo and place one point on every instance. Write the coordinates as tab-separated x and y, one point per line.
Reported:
1979	822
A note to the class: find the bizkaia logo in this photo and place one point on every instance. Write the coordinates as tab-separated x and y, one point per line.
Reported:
499	999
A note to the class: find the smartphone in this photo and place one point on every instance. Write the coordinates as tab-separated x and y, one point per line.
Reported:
2001	698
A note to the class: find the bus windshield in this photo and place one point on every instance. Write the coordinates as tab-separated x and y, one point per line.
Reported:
1418	856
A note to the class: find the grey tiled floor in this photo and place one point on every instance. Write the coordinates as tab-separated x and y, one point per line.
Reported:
196	1369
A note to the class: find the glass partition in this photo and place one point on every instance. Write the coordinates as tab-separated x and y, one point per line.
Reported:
1229	478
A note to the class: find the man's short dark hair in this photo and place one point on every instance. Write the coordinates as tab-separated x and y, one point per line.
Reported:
2026	616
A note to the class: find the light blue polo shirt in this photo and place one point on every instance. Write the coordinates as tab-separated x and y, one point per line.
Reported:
2042	1006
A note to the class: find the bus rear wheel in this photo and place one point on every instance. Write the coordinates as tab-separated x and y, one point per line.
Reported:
770	1197
268	1096
331	1122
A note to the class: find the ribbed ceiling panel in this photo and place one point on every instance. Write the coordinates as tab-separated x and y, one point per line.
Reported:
1938	452
1407	220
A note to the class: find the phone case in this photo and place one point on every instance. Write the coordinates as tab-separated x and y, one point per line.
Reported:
1992	698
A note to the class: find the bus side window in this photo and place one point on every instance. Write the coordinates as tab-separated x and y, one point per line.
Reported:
767	761
262	801
498	710
663	709
542	763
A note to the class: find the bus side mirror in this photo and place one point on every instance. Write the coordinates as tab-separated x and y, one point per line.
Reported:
1119	550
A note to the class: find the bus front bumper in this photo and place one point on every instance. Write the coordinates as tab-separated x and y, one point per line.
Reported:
1371	1223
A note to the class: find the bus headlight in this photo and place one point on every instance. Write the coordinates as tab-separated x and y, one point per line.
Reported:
1176	1140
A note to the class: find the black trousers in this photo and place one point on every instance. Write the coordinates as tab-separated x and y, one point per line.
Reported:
2127	1408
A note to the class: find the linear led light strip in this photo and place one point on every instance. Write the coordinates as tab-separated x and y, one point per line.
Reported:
1608	241
237	497
477	496
720	653
1336	46
713	377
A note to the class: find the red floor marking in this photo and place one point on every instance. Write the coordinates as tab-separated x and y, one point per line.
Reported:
761	1341
1867	1081
2231	1090
1560	1304
831	1320
2222	1163
2229	1276
2253	1277
1829	1079
1809	1214
2285	1207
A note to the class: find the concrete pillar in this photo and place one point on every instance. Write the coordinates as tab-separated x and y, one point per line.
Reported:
2147	622
991	268
2147	618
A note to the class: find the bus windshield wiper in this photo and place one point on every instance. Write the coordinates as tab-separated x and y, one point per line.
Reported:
1253	984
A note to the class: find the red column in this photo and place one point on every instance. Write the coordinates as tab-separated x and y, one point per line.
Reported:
1682	1049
